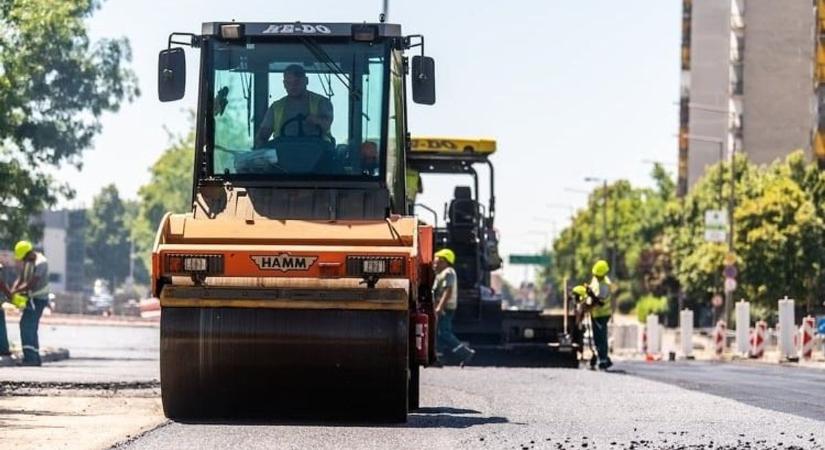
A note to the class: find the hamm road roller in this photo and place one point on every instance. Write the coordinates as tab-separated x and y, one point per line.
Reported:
297	285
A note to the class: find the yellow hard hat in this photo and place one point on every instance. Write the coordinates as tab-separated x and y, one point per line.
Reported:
21	249
580	290
446	254
601	268
19	300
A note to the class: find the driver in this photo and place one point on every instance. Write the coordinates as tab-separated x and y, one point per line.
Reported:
316	109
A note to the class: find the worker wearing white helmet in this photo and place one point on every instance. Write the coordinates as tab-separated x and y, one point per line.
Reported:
445	297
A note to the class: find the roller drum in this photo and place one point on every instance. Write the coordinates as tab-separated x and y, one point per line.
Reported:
219	363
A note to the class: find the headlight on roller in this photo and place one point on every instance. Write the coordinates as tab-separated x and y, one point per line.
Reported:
361	266
177	264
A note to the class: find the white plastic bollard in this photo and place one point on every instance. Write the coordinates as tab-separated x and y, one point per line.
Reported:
743	326
686	325
787	330
654	335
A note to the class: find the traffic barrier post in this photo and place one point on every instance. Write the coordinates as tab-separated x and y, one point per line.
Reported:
686	324
719	338
743	324
786	330
758	339
807	338
654	335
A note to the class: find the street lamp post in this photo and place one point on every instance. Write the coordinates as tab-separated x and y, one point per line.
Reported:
731	203
606	251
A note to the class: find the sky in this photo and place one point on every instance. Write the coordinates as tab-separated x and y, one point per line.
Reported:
569	89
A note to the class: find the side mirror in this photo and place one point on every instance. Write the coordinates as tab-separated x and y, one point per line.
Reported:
171	74
423	80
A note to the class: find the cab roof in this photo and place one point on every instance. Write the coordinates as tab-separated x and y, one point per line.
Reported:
316	29
451	146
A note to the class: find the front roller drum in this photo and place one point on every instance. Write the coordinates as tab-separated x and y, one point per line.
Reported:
225	363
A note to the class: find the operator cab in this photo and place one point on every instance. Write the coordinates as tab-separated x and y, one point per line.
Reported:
295	110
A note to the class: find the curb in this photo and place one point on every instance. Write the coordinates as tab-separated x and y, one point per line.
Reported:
48	355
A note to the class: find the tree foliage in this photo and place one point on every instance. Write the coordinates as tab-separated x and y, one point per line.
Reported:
54	86
659	243
168	190
107	238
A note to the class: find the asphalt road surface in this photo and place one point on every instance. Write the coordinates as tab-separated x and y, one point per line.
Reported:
99	355
542	408
642	405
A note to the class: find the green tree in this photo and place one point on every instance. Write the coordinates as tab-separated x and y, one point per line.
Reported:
778	238
54	86
107	238
168	190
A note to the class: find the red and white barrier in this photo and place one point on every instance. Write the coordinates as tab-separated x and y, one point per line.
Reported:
719	338
758	339
806	337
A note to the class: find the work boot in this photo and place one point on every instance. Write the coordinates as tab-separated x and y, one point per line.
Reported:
604	365
30	363
466	355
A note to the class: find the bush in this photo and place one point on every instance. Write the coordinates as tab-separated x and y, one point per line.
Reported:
650	304
625	302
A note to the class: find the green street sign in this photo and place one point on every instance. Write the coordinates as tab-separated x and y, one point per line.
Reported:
530	260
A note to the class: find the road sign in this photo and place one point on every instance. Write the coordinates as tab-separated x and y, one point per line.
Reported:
730	271
716	225
730	259
730	284
530	260
820	327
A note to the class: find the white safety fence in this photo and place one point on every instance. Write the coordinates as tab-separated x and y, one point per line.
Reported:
786	342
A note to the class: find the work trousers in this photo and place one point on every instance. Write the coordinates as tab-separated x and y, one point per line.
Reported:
447	343
600	337
29	323
4	338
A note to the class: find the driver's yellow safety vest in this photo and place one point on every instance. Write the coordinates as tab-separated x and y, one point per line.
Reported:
279	109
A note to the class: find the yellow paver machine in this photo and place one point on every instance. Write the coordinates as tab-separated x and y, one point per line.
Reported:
501	337
298	285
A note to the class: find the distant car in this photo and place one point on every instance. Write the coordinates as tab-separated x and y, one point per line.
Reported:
101	300
100	304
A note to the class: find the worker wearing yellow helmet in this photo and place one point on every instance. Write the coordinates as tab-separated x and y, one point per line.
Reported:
600	307
445	298
31	293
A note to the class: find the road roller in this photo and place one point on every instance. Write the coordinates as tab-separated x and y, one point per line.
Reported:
298	285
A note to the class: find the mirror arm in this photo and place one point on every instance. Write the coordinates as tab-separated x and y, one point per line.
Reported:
194	40
408	42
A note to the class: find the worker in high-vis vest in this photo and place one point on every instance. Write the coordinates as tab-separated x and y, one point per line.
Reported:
32	285
600	310
314	110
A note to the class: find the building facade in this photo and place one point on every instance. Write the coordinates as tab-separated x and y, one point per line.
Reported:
748	82
65	247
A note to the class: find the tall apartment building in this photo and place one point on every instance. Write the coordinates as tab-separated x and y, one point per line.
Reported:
750	70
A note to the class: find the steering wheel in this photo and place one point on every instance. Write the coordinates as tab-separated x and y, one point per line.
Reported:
300	118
